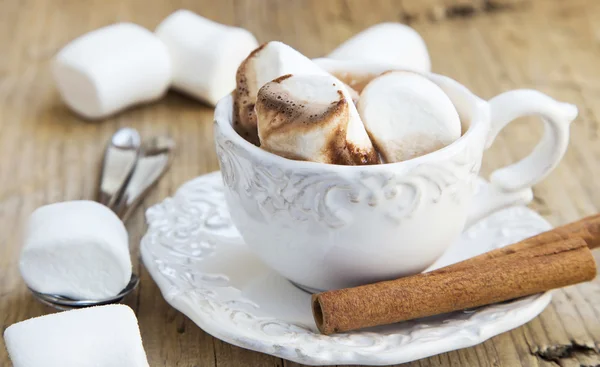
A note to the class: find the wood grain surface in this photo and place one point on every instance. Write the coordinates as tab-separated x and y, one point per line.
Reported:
47	154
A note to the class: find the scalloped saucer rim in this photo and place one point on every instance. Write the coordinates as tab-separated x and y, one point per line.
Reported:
236	298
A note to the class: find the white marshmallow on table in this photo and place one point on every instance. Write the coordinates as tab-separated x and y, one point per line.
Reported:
205	54
112	68
103	336
390	43
77	249
268	62
311	117
407	115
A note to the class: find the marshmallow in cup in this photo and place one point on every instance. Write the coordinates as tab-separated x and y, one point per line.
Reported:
407	115
312	118
205	54
76	249
112	68
268	62
99	336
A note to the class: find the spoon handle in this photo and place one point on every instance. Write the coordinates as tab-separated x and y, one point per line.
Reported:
120	158
148	170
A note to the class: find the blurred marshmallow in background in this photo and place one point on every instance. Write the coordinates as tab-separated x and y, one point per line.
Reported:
205	54
390	43
111	68
77	249
104	336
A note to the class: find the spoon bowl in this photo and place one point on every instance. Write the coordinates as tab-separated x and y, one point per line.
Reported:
65	303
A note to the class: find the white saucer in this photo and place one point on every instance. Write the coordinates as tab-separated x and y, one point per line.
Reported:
204	270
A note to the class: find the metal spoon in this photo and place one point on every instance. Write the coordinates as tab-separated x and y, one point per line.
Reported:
151	162
154	161
120	158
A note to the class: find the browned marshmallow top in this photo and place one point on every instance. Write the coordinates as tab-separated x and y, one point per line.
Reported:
268	62
305	117
244	121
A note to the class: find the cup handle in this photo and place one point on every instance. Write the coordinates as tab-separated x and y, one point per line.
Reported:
511	185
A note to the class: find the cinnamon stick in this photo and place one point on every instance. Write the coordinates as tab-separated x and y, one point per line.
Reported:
587	229
530	270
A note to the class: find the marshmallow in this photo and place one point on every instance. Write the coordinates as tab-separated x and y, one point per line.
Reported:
103	336
389	43
268	62
205	54
77	249
355	74
407	115
112	68
311	117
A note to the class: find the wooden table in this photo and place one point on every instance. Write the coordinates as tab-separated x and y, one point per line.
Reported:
47	154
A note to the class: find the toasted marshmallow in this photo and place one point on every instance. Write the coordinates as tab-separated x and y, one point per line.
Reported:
268	62
389	43
205	54
407	115
112	68
312	118
355	74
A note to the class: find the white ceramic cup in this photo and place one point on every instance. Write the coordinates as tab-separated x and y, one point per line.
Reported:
328	226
